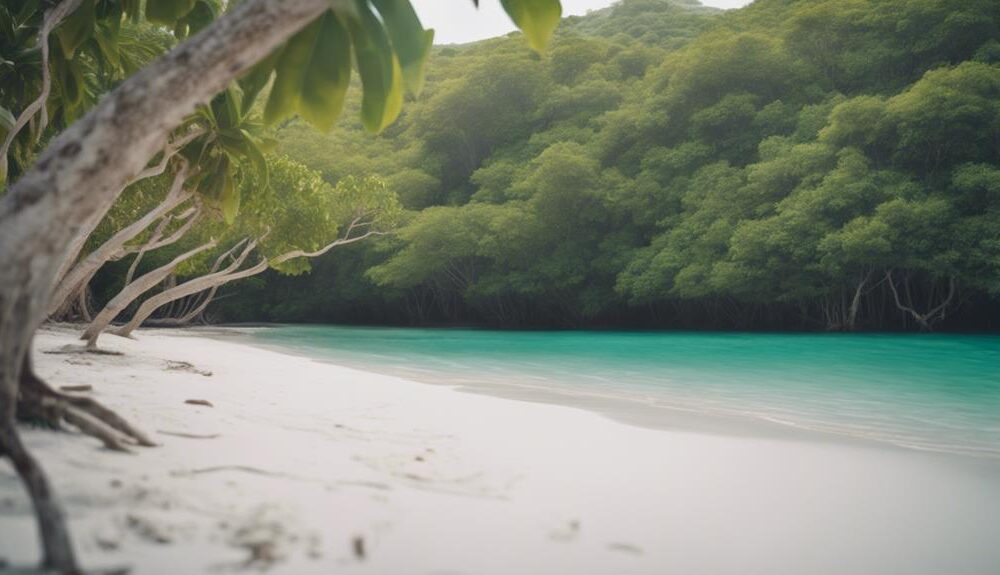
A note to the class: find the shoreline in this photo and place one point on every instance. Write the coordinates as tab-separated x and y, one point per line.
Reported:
647	412
299	460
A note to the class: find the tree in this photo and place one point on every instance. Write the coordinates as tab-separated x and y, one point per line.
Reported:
82	171
210	156
295	217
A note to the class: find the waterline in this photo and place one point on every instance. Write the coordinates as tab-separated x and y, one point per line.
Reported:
928	392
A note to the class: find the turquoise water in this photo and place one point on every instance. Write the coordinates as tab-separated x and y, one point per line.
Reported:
935	392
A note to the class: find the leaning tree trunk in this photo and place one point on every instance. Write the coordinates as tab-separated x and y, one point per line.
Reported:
88	228
133	291
188	316
192	287
78	177
155	242
216	280
115	247
185	289
189	312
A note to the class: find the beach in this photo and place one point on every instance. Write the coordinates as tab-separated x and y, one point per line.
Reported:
292	465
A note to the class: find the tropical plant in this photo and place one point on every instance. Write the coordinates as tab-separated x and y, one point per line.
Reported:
84	168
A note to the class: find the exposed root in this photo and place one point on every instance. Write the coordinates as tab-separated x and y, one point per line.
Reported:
78	350
94	428
40	403
112	419
56	547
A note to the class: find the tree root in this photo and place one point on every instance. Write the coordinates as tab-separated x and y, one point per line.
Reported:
74	350
40	403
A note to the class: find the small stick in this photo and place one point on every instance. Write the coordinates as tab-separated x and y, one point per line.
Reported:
199	402
77	388
188	435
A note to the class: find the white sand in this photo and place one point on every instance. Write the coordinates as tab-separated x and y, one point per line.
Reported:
435	481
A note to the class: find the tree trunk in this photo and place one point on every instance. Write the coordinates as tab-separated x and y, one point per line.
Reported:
115	247
927	319
192	287
218	279
852	314
133	291
88	228
187	316
83	303
79	176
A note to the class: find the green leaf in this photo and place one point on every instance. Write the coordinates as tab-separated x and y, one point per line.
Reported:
229	197
410	41
536	18
226	108
69	77
313	74
77	28
268	145
7	121
381	74
253	152
200	16
168	12
106	36
324	89
258	77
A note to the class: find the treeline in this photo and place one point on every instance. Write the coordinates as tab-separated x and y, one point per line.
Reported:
830	164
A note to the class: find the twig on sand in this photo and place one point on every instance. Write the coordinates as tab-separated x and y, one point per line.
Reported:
188	435
76	388
203	402
625	548
241	468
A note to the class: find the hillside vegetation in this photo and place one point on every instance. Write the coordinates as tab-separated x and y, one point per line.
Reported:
821	164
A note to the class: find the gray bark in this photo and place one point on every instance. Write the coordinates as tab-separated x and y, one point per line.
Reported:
213	281
87	229
192	287
115	247
188	316
133	291
925	320
79	176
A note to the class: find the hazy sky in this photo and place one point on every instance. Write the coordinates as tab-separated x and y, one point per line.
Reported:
456	21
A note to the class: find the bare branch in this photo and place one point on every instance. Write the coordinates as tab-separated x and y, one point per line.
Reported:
51	20
340	242
114	246
132	291
169	151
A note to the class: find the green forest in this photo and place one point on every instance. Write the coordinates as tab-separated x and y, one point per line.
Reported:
817	165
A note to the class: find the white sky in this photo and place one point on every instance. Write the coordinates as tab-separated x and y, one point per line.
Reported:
457	21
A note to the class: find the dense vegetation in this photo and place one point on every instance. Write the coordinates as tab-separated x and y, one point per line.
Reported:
818	165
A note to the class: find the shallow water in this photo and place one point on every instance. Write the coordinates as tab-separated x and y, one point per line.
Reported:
932	392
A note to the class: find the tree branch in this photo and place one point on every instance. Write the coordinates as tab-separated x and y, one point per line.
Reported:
51	20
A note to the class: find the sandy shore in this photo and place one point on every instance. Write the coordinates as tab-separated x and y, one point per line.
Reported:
303	467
